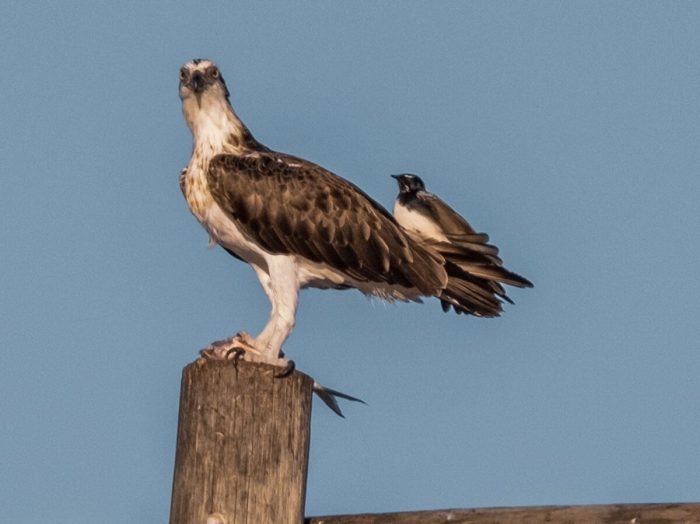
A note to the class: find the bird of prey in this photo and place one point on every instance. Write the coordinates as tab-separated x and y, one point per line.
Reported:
475	287
299	226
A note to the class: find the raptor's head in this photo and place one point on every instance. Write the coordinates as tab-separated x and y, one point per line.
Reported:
409	183
200	77
202	88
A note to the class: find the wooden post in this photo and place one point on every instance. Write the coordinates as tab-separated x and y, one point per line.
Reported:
242	445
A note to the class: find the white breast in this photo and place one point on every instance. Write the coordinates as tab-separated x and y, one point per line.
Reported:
418	223
220	227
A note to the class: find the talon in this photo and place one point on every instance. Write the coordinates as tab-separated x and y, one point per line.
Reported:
235	354
234	348
207	354
287	370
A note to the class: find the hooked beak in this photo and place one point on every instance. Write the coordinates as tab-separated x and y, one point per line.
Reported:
196	82
196	85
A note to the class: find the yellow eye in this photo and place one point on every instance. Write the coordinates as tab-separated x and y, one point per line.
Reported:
183	74
214	73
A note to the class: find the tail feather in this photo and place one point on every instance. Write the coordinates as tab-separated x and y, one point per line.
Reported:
497	273
475	273
472	298
468	248
328	396
475	288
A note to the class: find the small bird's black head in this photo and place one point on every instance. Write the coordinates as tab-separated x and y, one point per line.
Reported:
409	183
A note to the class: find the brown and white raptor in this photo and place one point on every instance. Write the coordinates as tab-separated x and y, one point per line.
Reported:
298	225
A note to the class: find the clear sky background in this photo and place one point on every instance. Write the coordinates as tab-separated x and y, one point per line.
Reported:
570	132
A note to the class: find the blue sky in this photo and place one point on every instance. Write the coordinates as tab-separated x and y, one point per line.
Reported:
570	132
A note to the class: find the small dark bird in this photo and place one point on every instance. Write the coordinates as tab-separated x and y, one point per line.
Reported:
475	272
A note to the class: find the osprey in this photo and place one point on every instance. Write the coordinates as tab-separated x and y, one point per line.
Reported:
297	224
481	271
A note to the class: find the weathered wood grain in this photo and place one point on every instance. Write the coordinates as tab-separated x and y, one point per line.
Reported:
242	445
609	514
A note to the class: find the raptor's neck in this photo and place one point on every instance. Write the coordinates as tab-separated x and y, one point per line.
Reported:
217	129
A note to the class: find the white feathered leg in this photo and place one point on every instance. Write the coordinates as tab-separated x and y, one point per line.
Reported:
282	288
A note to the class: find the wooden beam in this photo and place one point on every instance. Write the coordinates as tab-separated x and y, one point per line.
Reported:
242	445
610	514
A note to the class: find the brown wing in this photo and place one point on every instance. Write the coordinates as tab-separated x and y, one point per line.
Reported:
286	204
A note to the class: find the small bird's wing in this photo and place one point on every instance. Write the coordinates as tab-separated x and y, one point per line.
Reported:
289	205
465	247
451	222
462	237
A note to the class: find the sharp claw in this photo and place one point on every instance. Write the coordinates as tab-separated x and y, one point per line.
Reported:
287	370
220	343
235	354
207	354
